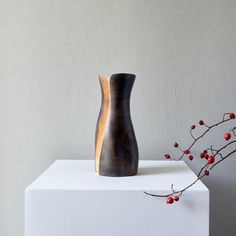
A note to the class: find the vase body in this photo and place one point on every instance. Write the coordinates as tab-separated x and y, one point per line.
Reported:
116	148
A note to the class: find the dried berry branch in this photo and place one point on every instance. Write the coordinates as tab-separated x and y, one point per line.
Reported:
213	159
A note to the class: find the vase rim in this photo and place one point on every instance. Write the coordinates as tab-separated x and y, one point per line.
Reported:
123	74
115	74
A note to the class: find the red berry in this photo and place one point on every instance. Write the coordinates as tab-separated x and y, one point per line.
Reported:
206	155
190	157
211	159
186	151
167	156
202	155
231	115
227	136
201	122
176	198
206	172
169	200
176	145
205	151
193	126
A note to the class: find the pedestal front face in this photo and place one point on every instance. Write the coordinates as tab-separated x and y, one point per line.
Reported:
69	199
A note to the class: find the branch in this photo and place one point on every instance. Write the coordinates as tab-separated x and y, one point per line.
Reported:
200	176
195	140
211	159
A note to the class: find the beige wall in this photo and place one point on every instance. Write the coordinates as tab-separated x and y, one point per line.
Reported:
51	52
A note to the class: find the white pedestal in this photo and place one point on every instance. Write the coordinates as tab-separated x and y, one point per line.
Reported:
69	199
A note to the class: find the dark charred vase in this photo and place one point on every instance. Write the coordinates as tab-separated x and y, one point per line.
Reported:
115	143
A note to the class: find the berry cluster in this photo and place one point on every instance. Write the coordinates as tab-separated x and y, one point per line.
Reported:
171	199
204	154
211	156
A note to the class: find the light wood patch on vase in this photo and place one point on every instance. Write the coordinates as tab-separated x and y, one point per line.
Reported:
105	111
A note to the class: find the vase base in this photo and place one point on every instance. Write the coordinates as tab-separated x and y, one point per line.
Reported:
118	174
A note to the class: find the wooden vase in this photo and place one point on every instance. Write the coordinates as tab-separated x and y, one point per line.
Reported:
115	143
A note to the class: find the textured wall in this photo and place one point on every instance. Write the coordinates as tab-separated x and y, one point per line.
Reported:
51	52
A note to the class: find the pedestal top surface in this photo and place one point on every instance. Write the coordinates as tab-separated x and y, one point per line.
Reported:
80	175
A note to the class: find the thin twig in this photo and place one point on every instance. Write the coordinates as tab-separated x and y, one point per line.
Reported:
204	171
202	135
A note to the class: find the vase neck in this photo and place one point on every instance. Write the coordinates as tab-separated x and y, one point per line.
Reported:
117	88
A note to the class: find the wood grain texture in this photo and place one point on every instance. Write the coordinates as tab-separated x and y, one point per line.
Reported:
116	146
103	116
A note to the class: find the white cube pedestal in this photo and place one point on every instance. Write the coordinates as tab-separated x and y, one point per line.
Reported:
70	199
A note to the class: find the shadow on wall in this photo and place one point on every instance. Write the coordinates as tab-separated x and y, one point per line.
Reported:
222	207
222	186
